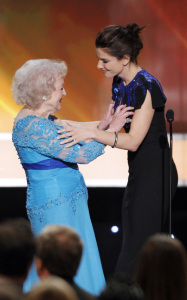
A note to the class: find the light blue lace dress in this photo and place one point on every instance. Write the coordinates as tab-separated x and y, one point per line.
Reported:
56	191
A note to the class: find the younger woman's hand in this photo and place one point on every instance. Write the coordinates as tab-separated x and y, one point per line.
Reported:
120	117
107	119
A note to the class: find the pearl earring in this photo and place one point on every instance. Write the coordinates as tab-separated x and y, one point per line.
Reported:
44	98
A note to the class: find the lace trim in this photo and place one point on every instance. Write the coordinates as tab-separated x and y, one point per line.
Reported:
41	135
39	212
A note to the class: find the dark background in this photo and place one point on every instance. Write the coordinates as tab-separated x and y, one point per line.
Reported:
105	211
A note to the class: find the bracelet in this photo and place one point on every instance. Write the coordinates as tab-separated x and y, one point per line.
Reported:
116	139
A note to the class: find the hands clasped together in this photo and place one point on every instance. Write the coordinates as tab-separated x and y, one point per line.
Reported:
112	122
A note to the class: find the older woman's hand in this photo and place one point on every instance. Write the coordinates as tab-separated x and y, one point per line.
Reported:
72	135
120	118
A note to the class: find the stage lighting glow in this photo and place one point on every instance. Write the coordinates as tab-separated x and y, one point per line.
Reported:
171	235
114	229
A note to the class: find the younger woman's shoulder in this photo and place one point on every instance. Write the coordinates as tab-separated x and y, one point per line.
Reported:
145	82
147	77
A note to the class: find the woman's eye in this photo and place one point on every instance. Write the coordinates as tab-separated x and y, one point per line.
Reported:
105	61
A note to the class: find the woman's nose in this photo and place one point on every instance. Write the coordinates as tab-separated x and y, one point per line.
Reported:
99	64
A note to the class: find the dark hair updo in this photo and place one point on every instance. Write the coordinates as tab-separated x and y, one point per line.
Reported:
119	40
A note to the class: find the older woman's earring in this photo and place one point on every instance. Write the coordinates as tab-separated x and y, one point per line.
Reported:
44	98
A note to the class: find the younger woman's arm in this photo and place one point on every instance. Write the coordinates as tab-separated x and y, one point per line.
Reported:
130	141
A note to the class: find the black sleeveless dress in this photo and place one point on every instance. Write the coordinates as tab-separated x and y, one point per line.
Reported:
146	200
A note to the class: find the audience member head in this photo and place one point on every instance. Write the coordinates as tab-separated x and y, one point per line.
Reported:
35	81
58	252
17	247
162	269
121	287
9	292
51	288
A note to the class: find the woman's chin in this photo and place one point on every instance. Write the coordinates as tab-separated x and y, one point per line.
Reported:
59	107
108	74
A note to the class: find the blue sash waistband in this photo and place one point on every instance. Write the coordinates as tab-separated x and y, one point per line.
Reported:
48	164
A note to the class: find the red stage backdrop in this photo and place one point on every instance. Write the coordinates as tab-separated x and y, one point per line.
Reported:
66	29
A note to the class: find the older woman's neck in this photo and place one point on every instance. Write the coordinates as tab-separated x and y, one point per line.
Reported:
39	111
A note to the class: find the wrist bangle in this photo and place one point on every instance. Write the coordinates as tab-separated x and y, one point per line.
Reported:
116	139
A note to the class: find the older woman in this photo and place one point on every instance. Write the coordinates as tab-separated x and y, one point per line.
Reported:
56	191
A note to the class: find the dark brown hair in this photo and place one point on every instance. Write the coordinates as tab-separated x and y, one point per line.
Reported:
17	247
121	287
162	269
60	249
119	40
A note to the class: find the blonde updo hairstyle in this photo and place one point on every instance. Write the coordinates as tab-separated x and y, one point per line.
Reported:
34	81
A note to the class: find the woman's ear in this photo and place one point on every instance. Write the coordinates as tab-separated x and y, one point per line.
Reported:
126	59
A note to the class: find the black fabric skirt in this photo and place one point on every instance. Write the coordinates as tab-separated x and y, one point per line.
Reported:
145	209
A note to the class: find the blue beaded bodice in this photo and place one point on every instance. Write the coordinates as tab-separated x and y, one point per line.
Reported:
135	92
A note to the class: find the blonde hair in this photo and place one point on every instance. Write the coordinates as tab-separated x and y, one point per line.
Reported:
35	80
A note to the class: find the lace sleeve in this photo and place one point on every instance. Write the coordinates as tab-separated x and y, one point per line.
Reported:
41	135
